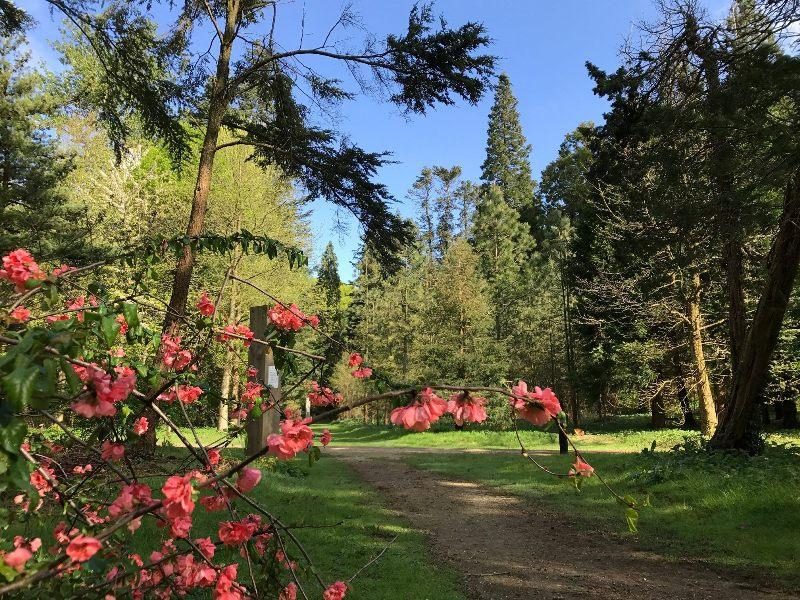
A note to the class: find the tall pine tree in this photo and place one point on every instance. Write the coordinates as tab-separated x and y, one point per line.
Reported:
508	153
329	286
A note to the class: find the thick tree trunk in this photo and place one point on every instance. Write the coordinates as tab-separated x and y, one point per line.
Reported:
708	411
762	337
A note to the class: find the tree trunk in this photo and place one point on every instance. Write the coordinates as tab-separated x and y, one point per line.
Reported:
218	105
789	414
708	412
689	422
762	337
658	414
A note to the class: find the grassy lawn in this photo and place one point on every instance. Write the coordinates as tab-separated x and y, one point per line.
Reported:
327	494
729	511
622	434
625	434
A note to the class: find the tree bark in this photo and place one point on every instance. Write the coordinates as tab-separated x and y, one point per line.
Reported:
762	337
708	411
689	422
218	106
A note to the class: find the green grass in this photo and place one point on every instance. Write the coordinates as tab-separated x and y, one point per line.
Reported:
620	434
325	495
625	437
731	511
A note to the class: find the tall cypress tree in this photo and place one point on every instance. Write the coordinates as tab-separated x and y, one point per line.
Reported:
328	278
329	285
508	153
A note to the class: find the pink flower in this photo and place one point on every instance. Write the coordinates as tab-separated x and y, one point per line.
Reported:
226	585
20	314
581	468
355	360
418	416
289	592
248	479
466	408
335	591
206	547
130	497
173	356
212	503
205	306
178	493
234	533
237	332
179	527
40	482
295	437
112	451
252	391
290	318
82	548
123	324
252	372
323	396
140	426
17	558
19	267
213	456
188	393
362	373
107	391
79	470
536	407
58	271
326	437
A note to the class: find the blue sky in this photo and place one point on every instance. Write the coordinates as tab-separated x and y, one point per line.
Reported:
542	45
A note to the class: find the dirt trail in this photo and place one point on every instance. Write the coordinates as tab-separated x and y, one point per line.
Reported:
506	549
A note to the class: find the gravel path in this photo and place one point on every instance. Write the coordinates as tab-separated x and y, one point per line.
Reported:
506	549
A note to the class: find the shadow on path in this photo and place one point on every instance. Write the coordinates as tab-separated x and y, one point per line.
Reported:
506	549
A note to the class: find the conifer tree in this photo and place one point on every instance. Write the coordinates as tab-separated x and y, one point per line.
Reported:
508	154
32	207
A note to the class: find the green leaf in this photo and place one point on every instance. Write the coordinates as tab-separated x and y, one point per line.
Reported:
632	518
131	313
73	381
19	385
110	329
12	434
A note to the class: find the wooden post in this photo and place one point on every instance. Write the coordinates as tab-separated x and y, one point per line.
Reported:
563	442
260	357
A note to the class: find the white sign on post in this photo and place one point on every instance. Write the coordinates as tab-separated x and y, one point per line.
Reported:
272	377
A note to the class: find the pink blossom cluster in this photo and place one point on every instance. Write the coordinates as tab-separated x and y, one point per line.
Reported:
536	407
107	390
186	394
323	396
360	371
295	437
173	355
205	306
236	332
427	408
290	318
19	267
466	408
